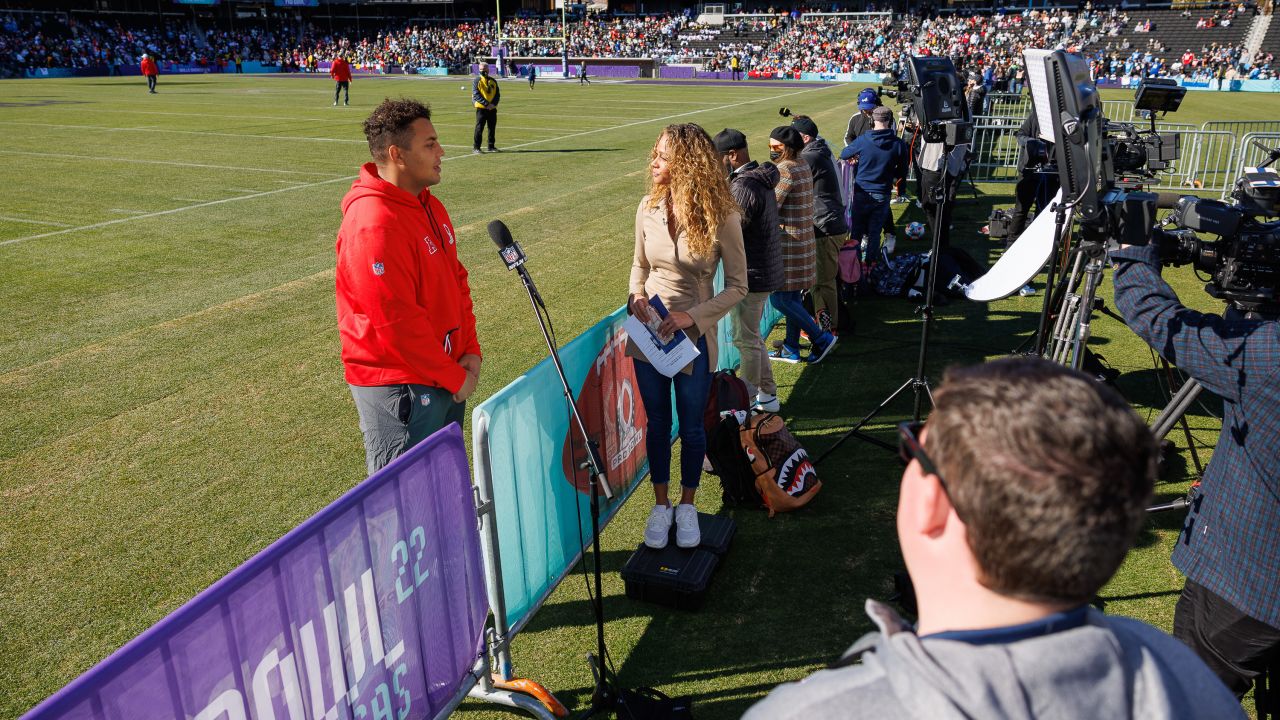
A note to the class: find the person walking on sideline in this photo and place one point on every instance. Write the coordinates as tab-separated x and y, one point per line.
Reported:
533	75
151	71
485	94
340	71
409	347
686	224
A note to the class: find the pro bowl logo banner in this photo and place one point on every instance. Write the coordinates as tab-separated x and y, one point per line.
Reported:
543	513
373	608
609	403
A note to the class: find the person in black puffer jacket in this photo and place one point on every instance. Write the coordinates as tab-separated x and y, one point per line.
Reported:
752	186
828	220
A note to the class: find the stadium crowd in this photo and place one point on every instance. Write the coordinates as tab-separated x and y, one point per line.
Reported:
988	45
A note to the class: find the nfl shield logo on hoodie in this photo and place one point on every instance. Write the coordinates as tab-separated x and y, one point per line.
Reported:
379	268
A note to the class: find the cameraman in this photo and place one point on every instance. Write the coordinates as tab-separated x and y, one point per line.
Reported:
1229	611
1034	186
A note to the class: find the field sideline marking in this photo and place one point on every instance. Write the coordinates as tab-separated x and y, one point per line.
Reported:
265	193
152	128
164	162
8	218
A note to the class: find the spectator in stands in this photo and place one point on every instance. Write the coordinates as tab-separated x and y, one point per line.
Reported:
409	344
685	226
794	195
829	227
485	95
340	71
151	71
1021	497
752	186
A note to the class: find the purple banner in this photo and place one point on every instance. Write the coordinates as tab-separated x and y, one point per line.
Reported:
373	608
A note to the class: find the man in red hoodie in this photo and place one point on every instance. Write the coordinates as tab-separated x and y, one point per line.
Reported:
150	71
409	345
340	71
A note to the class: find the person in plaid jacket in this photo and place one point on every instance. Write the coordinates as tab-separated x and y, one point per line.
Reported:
1229	548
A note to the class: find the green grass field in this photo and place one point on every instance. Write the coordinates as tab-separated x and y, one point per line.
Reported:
171	399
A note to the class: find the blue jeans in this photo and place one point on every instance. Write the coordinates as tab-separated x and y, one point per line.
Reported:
788	303
692	393
870	210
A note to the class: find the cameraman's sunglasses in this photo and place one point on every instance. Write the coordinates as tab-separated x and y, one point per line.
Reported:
909	446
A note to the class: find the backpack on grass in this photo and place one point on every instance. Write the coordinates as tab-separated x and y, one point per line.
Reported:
763	465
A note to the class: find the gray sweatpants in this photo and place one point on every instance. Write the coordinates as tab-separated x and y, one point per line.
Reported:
394	418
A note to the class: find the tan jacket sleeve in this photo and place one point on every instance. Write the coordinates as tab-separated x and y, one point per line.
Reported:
640	261
734	256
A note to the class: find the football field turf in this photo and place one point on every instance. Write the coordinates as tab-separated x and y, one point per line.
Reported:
171	399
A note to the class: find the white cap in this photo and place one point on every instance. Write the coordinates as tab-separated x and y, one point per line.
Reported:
145	56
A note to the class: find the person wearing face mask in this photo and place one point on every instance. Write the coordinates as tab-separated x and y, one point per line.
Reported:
686	225
752	186
794	195
485	94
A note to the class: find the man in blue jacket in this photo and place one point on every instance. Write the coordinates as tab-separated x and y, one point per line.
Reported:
880	160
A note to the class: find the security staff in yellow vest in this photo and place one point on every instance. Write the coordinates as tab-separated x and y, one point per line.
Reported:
485	94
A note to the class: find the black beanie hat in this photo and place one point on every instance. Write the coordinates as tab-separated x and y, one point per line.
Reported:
788	136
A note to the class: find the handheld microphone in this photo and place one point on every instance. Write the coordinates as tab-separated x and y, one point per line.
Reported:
514	257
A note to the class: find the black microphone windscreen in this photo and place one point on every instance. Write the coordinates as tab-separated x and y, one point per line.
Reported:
499	233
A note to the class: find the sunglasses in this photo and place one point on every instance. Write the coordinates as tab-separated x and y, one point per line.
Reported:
910	447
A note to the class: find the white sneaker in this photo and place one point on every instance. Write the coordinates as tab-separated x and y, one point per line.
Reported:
658	529
688	535
768	403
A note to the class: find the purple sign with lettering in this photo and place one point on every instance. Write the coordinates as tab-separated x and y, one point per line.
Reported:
373	608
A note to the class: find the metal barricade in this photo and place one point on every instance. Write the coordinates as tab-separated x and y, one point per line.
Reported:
1118	110
995	149
1206	160
1240	128
1250	155
1006	105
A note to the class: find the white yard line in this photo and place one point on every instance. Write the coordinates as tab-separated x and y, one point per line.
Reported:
174	163
9	218
149	128
349	178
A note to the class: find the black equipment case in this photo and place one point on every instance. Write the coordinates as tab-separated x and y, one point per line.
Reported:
676	576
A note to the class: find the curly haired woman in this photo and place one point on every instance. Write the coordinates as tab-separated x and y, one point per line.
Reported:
686	224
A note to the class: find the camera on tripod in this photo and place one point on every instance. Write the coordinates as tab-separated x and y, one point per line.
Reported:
932	98
1244	262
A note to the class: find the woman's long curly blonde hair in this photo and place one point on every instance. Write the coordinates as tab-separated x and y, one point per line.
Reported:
698	190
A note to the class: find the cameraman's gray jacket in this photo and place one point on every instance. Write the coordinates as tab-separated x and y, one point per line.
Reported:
828	205
1110	668
752	187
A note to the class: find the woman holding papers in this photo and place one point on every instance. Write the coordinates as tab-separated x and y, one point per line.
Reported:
685	226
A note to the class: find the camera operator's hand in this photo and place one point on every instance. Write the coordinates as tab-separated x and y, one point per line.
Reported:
468	387
641	308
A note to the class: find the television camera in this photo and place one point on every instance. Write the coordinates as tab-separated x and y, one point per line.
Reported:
1243	263
932	97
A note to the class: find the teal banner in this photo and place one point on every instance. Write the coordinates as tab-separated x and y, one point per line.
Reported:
541	496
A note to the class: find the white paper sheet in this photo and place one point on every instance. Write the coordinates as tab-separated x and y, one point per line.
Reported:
1021	261
668	357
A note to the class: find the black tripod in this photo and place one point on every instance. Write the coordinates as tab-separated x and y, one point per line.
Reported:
606	694
918	383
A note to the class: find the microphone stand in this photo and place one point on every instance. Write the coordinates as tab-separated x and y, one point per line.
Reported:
604	697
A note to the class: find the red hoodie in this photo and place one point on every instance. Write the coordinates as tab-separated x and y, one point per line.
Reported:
149	67
404	305
340	71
